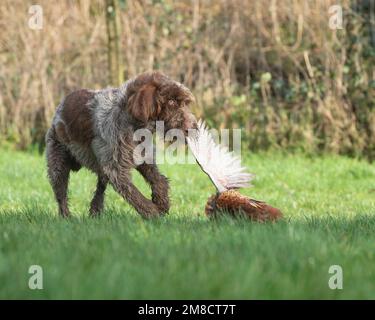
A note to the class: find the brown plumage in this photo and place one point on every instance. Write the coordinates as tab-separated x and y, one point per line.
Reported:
236	204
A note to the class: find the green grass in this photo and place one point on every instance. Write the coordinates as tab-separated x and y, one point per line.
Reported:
329	207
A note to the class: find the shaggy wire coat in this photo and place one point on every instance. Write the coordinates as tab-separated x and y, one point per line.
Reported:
95	129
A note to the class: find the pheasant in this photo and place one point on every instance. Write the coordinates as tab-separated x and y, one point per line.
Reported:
226	173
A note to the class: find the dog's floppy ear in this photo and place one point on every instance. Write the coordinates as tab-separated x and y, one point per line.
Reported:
142	104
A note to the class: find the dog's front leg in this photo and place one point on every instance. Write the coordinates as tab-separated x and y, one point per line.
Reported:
159	185
121	182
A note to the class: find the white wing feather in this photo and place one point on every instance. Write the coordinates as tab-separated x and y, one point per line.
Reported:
222	166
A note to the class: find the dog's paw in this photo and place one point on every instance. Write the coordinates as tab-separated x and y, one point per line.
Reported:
160	197
162	203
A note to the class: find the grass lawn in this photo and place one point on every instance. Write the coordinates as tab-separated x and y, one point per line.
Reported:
329	207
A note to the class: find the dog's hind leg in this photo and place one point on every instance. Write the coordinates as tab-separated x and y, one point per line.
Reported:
59	163
97	203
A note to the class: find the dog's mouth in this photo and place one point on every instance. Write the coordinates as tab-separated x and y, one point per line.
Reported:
190	125
187	127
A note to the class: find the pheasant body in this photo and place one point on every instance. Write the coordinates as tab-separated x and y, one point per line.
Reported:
236	204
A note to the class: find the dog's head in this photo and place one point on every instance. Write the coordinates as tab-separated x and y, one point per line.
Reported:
155	97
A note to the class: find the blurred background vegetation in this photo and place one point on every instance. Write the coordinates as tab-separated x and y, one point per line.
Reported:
272	67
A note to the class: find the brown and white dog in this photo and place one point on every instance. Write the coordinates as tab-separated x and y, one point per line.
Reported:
94	129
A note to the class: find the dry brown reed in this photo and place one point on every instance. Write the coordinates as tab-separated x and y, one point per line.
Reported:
272	67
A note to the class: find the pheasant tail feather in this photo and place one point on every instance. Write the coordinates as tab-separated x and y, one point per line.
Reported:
222	166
